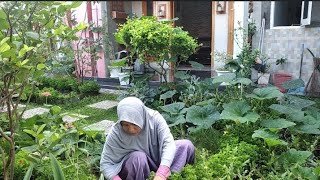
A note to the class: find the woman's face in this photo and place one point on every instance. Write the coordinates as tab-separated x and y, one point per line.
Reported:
130	128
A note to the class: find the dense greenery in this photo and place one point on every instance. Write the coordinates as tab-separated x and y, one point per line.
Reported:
240	131
158	41
246	132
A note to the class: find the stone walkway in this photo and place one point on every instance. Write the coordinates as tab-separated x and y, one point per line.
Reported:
35	111
72	117
111	91
104	104
5	109
104	125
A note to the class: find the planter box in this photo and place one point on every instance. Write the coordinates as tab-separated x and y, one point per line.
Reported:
114	71
279	78
124	79
263	78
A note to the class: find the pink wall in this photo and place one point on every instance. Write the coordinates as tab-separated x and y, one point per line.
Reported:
80	14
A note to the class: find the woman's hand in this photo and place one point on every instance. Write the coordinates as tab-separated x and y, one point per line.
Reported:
158	178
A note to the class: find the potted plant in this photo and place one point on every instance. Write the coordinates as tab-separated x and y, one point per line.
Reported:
124	78
116	66
262	67
223	67
280	62
155	43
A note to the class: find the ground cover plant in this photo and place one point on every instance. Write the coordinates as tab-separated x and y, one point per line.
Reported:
240	131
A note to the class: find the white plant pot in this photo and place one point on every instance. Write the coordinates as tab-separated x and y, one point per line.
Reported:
263	78
224	73
114	71
124	79
157	67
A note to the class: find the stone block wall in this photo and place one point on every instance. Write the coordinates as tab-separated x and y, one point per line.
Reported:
287	42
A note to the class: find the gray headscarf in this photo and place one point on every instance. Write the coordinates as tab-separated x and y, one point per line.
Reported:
155	138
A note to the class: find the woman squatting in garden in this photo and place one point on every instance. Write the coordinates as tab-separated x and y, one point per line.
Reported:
141	142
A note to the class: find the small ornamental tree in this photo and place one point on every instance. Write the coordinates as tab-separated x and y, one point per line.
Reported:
29	34
153	40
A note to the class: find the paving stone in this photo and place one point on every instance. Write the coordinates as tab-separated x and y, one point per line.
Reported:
72	117
5	109
104	125
104	104
35	111
111	91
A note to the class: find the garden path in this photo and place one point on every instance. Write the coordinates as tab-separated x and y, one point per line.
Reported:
34	111
107	104
72	117
104	125
5	109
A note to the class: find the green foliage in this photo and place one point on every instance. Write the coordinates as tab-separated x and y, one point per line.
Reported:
29	33
29	172
147	37
277	123
271	138
192	90
206	139
120	63
281	61
225	164
60	83
239	112
56	168
142	90
89	88
265	93
203	117
293	84
182	44
293	156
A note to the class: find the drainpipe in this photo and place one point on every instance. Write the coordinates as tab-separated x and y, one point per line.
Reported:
91	39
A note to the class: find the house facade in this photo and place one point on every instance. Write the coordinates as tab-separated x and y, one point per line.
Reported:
290	28
211	22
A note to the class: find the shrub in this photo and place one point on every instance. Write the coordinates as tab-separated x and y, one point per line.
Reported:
62	84
89	88
225	164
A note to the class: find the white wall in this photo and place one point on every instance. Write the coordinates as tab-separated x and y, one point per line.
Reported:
239	8
220	36
221	31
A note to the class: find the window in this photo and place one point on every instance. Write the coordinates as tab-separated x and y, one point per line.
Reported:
306	12
290	13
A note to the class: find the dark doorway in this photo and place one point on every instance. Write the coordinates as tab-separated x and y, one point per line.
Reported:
196	17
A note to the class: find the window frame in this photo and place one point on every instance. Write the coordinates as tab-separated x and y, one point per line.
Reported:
306	21
303	21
